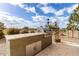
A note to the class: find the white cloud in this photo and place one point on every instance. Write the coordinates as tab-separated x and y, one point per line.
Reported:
40	20
1	12
18	4
61	20
3	16
60	12
16	22
70	9
13	21
30	9
14	3
47	9
42	4
21	5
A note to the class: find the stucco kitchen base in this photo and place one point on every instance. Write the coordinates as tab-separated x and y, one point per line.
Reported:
27	44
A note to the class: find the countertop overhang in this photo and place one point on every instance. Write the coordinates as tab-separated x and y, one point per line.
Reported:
16	36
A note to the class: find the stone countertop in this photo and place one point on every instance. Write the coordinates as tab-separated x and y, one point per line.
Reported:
16	36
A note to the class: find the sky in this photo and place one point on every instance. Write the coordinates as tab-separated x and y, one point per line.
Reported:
34	15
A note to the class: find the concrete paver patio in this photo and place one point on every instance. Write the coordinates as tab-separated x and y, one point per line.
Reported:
60	49
67	47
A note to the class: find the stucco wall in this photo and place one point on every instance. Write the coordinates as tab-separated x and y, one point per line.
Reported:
16	44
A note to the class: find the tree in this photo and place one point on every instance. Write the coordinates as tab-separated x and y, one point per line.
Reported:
77	20
74	20
1	32
1	26
51	27
25	28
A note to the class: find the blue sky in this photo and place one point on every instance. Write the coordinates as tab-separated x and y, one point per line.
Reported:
35	14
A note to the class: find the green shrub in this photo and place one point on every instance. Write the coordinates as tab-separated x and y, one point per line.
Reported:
22	31
10	31
1	34
16	31
57	40
32	32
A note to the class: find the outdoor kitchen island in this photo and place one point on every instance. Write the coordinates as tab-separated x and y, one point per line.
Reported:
27	44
